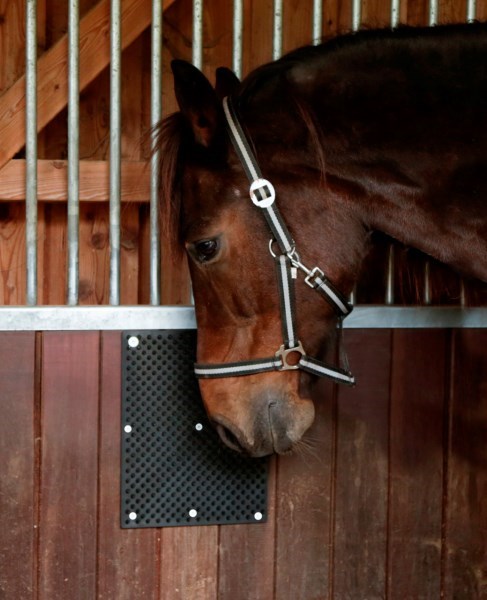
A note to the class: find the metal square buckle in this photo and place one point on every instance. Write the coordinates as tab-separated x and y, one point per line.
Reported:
312	275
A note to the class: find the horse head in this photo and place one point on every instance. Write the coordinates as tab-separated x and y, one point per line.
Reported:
206	204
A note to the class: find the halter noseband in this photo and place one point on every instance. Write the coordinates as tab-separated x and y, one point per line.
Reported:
288	264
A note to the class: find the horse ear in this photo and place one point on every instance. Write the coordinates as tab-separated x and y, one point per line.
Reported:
197	101
226	83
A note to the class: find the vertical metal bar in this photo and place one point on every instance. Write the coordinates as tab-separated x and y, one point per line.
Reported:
237	52
463	293
31	151
427	284
471	10
356	14
115	150
390	276
433	20
73	153
433	12
317	23
156	115
395	12
198	33
277	30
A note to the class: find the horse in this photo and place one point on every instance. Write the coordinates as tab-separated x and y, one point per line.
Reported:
371	131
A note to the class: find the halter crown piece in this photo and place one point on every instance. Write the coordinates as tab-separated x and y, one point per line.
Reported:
288	264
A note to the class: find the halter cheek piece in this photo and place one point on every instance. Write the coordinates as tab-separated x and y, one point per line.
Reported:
291	354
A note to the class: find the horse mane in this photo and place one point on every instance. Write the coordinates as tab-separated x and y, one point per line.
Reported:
170	137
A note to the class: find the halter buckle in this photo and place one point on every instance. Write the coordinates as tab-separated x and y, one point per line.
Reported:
283	354
312	274
267	193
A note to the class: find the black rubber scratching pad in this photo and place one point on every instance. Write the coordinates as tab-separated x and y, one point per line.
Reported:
175	469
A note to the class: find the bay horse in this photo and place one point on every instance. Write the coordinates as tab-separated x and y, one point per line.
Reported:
372	131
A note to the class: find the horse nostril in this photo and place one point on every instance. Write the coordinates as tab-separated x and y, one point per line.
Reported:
228	438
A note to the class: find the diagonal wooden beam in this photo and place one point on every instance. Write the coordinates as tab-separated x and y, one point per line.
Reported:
52	70
94	177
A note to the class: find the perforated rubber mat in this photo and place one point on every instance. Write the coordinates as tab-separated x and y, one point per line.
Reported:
175	470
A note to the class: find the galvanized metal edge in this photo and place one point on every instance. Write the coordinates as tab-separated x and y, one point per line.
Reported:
70	318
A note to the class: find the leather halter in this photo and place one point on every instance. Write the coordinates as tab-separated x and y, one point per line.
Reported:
291	354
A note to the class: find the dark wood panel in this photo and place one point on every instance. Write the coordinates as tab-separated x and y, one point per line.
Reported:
418	375
247	554
68	502
189	567
128	560
304	507
17	470
466	500
360	538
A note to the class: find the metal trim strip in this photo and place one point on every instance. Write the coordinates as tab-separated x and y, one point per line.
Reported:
114	318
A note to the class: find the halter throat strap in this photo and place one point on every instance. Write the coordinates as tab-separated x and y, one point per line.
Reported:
290	355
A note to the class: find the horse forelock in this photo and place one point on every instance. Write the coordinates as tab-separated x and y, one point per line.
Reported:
170	138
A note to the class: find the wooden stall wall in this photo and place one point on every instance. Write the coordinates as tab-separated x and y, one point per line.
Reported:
387	502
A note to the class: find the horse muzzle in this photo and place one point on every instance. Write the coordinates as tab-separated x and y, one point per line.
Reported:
269	423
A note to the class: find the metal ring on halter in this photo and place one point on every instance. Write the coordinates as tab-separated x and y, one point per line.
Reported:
283	354
290	254
270	194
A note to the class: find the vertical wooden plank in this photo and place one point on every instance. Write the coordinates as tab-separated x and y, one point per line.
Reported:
481	10
303	523
452	11
94	268
361	502
189	565
297	19
52	253
416	463
415	12
68	505
257	34
376	13
466	503
128	560
17	503
247	554
12	256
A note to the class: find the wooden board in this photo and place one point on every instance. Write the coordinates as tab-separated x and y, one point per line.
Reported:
418	375
69	463
18	430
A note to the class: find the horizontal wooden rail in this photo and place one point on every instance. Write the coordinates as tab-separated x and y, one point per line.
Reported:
94	183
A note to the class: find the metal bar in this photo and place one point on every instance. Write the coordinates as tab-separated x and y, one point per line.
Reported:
317	22
395	13
471	10
237	47
356	14
433	12
197	58
463	293
31	151
115	150
156	115
73	153
389	299
90	318
427	283
277	30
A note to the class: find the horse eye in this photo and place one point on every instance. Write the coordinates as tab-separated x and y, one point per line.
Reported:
206	249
